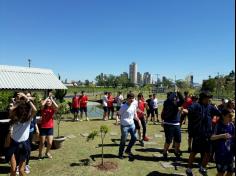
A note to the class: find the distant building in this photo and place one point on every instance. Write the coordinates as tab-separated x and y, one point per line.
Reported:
125	74
139	78
189	79
133	73
147	78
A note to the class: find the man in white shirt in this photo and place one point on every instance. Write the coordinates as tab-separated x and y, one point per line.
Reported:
119	100
155	107
127	114
104	104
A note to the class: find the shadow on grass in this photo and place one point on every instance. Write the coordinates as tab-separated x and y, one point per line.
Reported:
156	173
83	162
93	157
108	145
149	150
4	169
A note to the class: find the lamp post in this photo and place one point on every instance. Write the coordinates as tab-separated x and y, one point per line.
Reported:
29	60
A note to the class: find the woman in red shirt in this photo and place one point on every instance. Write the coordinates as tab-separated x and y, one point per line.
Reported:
49	107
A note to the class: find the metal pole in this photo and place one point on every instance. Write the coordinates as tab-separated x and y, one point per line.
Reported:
29	60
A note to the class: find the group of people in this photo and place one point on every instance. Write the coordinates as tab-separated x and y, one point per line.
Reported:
23	125
211	130
79	105
206	136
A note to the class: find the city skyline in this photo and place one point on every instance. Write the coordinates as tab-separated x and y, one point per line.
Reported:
80	39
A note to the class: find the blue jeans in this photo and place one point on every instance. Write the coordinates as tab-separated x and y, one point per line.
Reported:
125	130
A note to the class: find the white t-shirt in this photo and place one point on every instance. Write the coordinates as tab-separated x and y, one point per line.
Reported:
21	131
104	101
155	103
119	100
127	114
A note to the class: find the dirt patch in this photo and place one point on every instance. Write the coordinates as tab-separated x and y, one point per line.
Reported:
107	166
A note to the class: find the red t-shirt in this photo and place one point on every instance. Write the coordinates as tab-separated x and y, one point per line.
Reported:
75	102
83	101
110	101
141	107
188	102
47	117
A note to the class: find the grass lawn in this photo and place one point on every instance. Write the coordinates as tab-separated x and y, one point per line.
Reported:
66	161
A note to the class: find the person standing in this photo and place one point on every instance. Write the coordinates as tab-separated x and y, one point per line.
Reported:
104	104
110	105
83	100
224	137
21	114
75	106
200	116
141	114
171	122
127	114
119	99
49	108
155	108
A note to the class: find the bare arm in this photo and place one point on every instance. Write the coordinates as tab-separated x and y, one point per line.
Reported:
220	136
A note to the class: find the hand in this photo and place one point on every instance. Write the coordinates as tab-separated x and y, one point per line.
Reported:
227	136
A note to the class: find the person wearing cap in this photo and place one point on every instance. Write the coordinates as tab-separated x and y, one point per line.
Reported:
127	114
200	128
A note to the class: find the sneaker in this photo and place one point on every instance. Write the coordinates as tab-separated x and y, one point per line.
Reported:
203	171
17	170
120	156
177	154
165	156
87	119
129	153
189	172
189	150
27	169
48	155
40	157
146	138
141	143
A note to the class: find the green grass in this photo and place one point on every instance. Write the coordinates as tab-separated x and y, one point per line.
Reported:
66	160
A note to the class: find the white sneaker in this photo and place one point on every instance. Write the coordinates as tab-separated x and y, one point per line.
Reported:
87	119
27	169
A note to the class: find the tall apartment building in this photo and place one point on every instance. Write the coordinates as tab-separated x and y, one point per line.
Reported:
133	73
147	78
139	78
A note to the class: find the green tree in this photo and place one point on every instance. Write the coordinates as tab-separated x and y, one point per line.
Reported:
103	131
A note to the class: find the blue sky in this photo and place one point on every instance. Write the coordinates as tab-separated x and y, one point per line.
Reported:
81	38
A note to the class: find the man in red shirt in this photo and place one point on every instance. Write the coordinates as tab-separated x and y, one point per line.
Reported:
83	100
75	106
141	113
110	105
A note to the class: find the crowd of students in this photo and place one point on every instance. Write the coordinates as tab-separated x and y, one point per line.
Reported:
23	125
211	130
207	136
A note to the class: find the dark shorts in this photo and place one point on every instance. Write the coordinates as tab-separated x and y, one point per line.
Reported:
105	108
225	167
21	150
117	108
156	111
172	131
201	145
46	132
111	109
83	109
75	110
